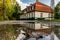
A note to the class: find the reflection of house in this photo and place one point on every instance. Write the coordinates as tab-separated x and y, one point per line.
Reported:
36	26
37	29
36	10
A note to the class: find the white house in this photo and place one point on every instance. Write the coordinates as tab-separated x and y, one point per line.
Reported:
36	10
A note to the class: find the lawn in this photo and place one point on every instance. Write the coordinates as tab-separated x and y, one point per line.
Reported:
55	20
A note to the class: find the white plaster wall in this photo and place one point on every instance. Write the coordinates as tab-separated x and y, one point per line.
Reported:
31	14
45	15
37	25
37	14
27	24
24	16
28	15
44	27
40	26
30	25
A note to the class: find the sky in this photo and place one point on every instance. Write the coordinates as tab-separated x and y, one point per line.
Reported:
24	3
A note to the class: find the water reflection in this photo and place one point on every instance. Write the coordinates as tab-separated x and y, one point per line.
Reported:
57	30
8	32
11	32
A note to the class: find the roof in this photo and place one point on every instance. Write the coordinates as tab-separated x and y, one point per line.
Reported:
47	30
38	7
42	7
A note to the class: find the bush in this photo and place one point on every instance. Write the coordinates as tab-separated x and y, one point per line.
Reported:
40	18
27	19
31	18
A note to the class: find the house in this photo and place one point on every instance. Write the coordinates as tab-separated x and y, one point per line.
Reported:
36	10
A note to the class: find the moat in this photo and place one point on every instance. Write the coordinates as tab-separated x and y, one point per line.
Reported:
12	31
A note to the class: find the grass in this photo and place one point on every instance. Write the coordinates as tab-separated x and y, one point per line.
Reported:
55	20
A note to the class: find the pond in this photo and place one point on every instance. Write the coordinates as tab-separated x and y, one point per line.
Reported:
11	32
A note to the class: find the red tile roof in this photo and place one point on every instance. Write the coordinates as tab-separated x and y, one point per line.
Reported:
39	7
42	7
48	30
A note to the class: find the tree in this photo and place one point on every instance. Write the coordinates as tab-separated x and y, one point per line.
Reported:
10	4
1	10
16	14
12	9
57	11
6	9
9	10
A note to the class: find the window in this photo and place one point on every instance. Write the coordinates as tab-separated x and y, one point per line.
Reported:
33	7
41	15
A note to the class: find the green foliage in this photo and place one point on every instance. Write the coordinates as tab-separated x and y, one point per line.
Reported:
8	32
16	14
1	10
40	18
28	18
57	11
32	19
8	8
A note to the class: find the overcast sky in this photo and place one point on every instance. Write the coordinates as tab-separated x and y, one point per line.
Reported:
24	3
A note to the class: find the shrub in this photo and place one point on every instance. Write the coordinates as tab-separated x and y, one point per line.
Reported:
27	19
40	18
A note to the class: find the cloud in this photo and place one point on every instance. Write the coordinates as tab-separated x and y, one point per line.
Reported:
48	2
56	1
23	5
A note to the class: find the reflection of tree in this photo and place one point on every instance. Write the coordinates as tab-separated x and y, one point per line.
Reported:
8	32
56	30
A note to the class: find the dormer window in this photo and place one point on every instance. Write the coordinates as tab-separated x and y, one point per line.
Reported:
33	7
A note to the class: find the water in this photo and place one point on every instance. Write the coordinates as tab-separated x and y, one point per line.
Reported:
12	32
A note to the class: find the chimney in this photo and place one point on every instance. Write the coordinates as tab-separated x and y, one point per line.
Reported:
37	0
